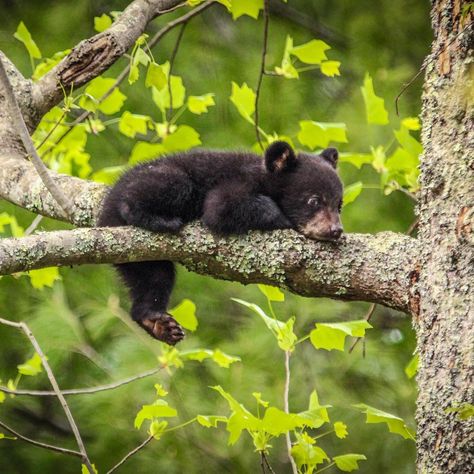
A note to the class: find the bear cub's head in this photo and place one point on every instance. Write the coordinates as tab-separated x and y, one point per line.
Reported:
307	189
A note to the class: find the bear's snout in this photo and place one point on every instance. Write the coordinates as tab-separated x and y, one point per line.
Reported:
324	225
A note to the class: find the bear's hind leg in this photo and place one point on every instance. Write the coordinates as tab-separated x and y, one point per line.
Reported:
150	285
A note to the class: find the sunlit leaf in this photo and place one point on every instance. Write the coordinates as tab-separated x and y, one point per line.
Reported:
351	192
409	143
183	138
316	414
160	391
157	76
412	367
31	367
356	159
348	462
6	219
47	64
340	429
272	292
411	123
185	314
144	151
312	52
220	358
374	105
91	100
160	409
245	7
330	68
108	175
199	104
258	397
211	421
162	97
243	97
157	428
101	23
319	134
22	34
331	336
131	124
287	69
44	277
464	410
394	423
305	453
85	470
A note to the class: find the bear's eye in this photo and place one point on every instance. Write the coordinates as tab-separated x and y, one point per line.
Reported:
313	201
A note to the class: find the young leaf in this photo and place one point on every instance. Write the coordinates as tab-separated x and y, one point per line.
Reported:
374	105
287	69
351	192
185	314
412	367
157	428
2	397
85	470
258	397
330	68
348	462
356	159
22	34
32	366
160	409
91	100
319	134
411	123
160	391
44	277
6	219
272	293
220	358
211	421
101	23
199	104
144	151
331	336
162	97
131	124
108	175
245	7
394	423
183	138
156	76
312	52
47	64
305	453
340	429
464	410
316	414
243	97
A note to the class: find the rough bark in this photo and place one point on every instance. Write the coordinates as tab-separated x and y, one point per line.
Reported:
374	268
445	321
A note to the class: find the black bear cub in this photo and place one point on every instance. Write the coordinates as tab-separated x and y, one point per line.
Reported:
232	193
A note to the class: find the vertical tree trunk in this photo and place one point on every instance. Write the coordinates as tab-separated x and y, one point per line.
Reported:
443	298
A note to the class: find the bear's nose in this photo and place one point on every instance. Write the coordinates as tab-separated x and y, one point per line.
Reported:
335	232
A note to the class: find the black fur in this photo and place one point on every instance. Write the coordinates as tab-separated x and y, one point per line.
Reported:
232	193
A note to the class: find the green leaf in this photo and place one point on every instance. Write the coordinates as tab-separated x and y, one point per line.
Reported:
157	76
157	428
243	97
185	314
411	123
22	34
183	138
258	397
2	397
351	192
272	293
312	52
287	69
409	143
160	409
412	367
85	470
277	422
464	410
220	358
316	414
331	336
101	23
245	7
47	64
374	105
144	151
330	68
162	97
356	159
32	366
6	219
394	423
211	421
108	175
4	436
319	134
160	391
131	124
348	462
91	100
198	104
44	277
305	453
340	429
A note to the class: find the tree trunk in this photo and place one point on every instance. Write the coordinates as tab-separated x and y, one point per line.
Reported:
443	298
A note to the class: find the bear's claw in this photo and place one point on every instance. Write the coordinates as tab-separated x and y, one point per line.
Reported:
163	327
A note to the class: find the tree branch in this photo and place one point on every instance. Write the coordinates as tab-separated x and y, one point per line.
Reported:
373	268
94	55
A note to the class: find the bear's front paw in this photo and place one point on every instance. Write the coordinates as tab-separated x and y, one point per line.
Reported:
163	327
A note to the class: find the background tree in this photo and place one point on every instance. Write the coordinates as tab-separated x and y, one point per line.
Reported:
397	271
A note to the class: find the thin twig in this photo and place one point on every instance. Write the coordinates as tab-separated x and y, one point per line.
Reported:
130	454
428	60
58	449
82	391
266	17
173	57
262	462
368	316
268	464
34	224
64	202
287	409
24	327
121	77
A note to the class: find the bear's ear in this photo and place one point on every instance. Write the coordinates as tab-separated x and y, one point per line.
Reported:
330	155
280	157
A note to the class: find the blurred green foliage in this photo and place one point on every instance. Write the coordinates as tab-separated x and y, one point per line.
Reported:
82	322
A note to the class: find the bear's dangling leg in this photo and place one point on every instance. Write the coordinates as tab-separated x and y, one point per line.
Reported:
150	285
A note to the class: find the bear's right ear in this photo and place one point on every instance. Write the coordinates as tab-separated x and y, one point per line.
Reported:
280	157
